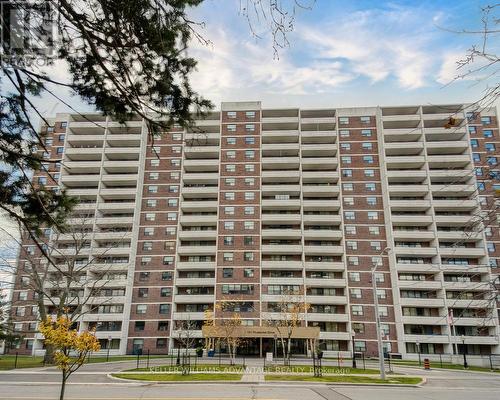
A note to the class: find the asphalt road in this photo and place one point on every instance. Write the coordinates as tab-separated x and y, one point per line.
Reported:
43	384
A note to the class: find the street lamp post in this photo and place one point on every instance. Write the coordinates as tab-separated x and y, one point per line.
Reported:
465	351
418	351
353	351
377	316
109	346
275	354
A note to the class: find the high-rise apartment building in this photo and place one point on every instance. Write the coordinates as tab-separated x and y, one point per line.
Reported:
255	203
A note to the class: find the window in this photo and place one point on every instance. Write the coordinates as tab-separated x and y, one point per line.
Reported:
364	120
492	161
379	277
346	159
349	215
491	247
367	146
476	157
374	230
344	133
249	181
249	210
60	150
139	325
368	159
373	215
248	256
23	296
249	195
369	173
144	276
382	310
355	293
171	216
143	292
151	203
231	141
175	176
349	201
354	276
176	137
353	260
229	195
348	187
490	147
231	154
345	146
170	230
358	327
227	272
249	167
228	257
248	241
164	308
366	132
381	294
230	168
173	189
371	201
352	245
150	217
229	225
249	127
148	246
141	309
486	120
172	202
347	172
42	180
481	186
350	230
370	187
375	246
168	260
231	128
479	171
472	130
249	140
230	181
248	225
488	133
249	154
175	162
474	143
229	210
343	120
231	114
228	240
165	292
176	149
152	189
166	276
248	273
357	310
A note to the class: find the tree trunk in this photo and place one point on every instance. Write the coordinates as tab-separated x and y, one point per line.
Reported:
63	386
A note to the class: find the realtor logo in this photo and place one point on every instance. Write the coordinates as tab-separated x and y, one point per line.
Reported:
28	33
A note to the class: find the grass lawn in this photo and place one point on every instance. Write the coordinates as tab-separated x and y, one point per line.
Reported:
345	379
327	369
198	367
180	377
437	364
7	362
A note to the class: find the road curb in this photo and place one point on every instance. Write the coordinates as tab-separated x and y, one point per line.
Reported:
272	383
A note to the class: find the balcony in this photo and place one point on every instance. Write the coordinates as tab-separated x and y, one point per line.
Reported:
273	190
190	316
455	220
326	299
195	298
448	161
419	284
119	193
426	338
453	190
281	249
324	250
195	266
268	204
319	136
123	153
87	127
455	205
210	191
282	233
472	286
84	153
281	163
411	220
197	152
281	265
282	281
408	190
465	252
206	165
447	147
403	148
459	235
119	179
406	175
196	179
311	316
322	234
280	176
321	282
319	150
402	267
124	140
198	220
415	251
194	281
321	205
280	136
414	162
322	219
413	235
411	302
130	166
199	206
281	218
402	134
325	266
197	235
107	221
431	320
319	163
196	250
321	190
410	205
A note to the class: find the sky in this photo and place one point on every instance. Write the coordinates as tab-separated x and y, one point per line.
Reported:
340	54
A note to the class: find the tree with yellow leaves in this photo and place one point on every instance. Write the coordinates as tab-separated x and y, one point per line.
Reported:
71	347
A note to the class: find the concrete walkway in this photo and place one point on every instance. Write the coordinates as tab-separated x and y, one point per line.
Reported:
254	371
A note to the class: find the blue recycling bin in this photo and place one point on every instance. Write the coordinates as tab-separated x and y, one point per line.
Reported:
211	353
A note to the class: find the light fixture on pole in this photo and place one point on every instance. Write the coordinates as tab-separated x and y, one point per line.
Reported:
418	351
465	351
377	314
109	346
353	334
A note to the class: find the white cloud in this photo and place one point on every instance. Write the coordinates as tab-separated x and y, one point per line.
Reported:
448	71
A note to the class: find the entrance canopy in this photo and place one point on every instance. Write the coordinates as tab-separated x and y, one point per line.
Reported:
260	332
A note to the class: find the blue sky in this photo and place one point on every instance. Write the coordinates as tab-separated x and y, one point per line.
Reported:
342	53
